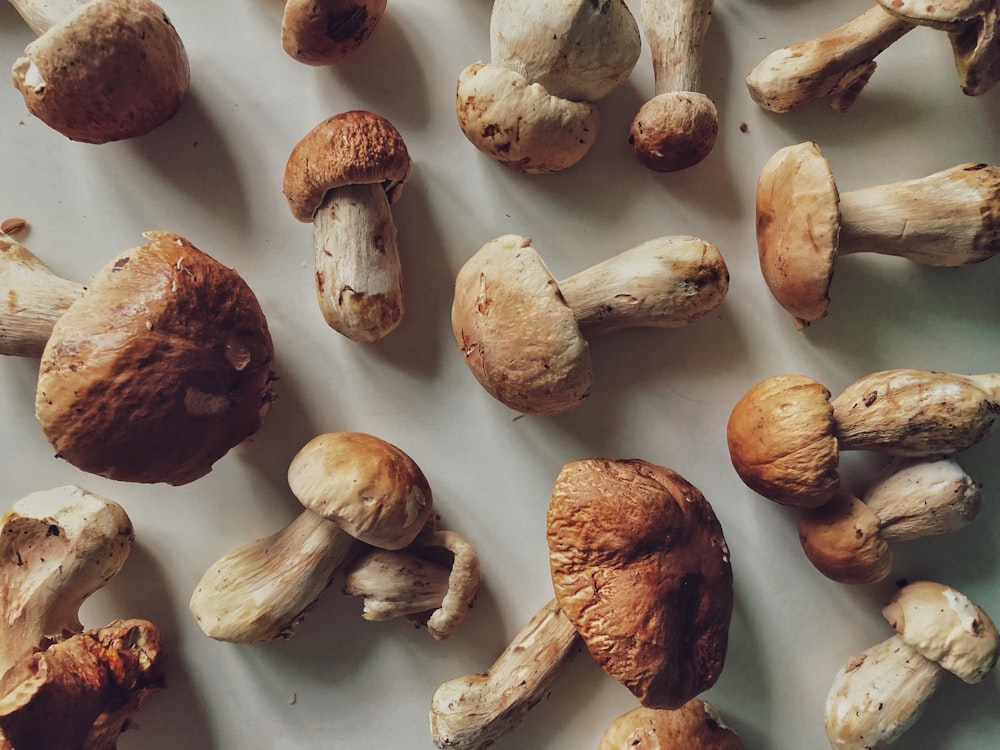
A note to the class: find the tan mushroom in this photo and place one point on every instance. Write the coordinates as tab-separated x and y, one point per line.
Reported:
694	726
803	223
882	691
325	32
342	176
101	70
523	334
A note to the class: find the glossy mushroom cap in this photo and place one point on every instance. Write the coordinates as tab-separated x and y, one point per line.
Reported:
693	726
325	32
159	369
113	69
798	226
368	487
350	148
641	568
517	334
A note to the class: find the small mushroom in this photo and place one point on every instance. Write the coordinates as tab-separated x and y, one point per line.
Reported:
677	128
848	539
803	223
101	70
325	32
694	726
342	176
355	488
882	691
523	334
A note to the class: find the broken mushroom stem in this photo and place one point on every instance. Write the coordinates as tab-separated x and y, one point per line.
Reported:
41	15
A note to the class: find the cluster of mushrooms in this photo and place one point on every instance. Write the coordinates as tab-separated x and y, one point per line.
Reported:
640	568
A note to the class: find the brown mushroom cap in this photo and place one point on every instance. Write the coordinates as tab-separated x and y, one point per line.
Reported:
674	131
843	540
641	568
159	369
113	69
798	226
693	726
322	33
517	334
350	148
368	487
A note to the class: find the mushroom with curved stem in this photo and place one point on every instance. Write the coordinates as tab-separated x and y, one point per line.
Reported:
355	488
848	539
101	70
677	128
342	176
882	691
804	223
323	33
694	726
523	334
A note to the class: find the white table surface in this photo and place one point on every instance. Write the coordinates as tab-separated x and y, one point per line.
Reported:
213	174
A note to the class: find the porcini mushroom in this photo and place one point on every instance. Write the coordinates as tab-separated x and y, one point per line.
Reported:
804	223
694	726
641	574
323	33
342	176
677	128
523	334
848	539
355	488
882	691
101	70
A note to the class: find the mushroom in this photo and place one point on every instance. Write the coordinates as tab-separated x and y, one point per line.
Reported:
694	726
803	223
533	107
641	574
323	33
677	128
882	691
101	70
153	373
848	539
523	334
355	488
342	176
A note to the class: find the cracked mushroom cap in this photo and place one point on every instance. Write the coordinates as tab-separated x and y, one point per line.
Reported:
322	33
112	69
515	331
159	369
693	726
798	226
368	487
641	568
351	148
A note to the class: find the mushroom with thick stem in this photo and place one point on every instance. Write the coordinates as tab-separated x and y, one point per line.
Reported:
882	691
804	223
523	334
694	726
642	576
355	488
848	539
342	176
323	33
677	128
101	70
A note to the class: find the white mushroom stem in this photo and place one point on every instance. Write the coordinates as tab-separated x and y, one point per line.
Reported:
835	65
34	298
358	272
262	591
41	15
395	583
665	282
675	30
472	712
463	583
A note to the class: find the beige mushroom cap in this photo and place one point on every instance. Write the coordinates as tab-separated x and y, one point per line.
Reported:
159	369
113	69
517	334
674	131
693	726
368	487
941	14
350	148
798	226
322	33
641	568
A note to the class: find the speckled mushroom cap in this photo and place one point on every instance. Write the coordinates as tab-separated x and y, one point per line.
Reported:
693	726
351	148
782	442
322	33
368	487
515	331
112	69
798	226
159	369
944	626
674	131
641	568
